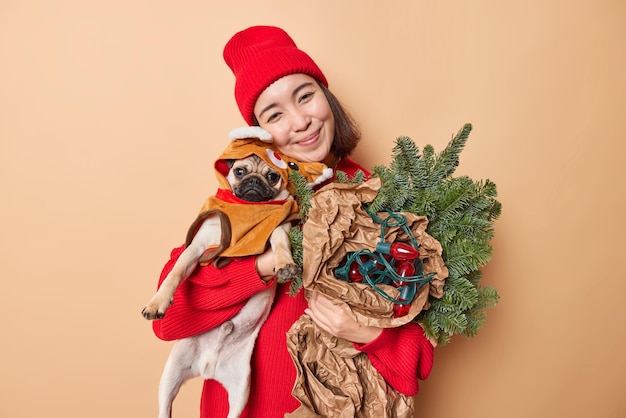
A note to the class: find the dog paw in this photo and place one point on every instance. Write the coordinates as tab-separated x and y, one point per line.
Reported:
288	272
154	311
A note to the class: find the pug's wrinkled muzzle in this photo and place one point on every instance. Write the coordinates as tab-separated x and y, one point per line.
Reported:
254	189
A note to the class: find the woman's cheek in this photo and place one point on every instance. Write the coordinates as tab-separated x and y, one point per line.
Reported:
279	136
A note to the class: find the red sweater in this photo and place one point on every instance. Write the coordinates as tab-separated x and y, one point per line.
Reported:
211	296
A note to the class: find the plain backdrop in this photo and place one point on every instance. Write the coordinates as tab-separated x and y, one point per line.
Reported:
112	112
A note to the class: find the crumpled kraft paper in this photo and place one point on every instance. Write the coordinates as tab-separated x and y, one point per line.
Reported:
334	379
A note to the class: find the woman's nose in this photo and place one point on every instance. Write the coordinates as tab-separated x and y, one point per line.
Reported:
300	121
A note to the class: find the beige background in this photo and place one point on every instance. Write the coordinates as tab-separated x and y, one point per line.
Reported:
111	113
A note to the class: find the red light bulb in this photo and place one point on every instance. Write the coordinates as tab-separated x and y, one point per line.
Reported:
398	250
354	274
401	310
405	268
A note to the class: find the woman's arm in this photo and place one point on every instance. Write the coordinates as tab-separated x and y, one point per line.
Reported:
207	298
402	356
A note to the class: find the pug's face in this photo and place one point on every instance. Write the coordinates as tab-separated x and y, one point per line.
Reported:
253	180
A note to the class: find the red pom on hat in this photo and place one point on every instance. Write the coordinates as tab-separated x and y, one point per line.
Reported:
260	55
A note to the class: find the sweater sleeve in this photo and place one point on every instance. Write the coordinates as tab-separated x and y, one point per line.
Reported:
208	297
402	356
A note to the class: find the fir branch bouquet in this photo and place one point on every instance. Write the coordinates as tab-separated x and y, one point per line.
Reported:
460	213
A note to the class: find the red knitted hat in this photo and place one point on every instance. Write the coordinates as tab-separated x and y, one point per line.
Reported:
260	55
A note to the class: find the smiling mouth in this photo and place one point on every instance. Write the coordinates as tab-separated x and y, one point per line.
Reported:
311	139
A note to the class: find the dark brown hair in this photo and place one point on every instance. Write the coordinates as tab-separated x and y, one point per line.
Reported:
347	131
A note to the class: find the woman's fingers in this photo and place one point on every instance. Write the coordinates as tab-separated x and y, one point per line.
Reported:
336	321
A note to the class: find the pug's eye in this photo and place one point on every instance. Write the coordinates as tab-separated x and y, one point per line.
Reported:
273	177
239	172
293	166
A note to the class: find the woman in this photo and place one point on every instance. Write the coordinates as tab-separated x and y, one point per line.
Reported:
281	89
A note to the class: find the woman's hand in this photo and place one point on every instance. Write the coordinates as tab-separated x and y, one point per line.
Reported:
266	265
338	322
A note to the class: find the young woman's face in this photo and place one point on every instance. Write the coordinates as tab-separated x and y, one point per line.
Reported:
295	111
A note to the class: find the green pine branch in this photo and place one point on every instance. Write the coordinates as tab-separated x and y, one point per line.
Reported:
358	178
295	237
461	293
461	213
446	162
302	192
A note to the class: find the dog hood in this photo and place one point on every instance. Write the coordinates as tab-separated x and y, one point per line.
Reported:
255	140
247	226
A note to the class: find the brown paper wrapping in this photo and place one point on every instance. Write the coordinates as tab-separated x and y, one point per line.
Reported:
334	379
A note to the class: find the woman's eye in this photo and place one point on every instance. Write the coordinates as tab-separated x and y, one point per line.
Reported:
273	117
306	96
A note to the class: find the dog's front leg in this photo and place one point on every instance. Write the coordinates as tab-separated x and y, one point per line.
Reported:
286	268
208	235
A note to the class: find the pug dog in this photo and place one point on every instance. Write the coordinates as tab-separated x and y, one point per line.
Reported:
251	169
251	179
224	352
